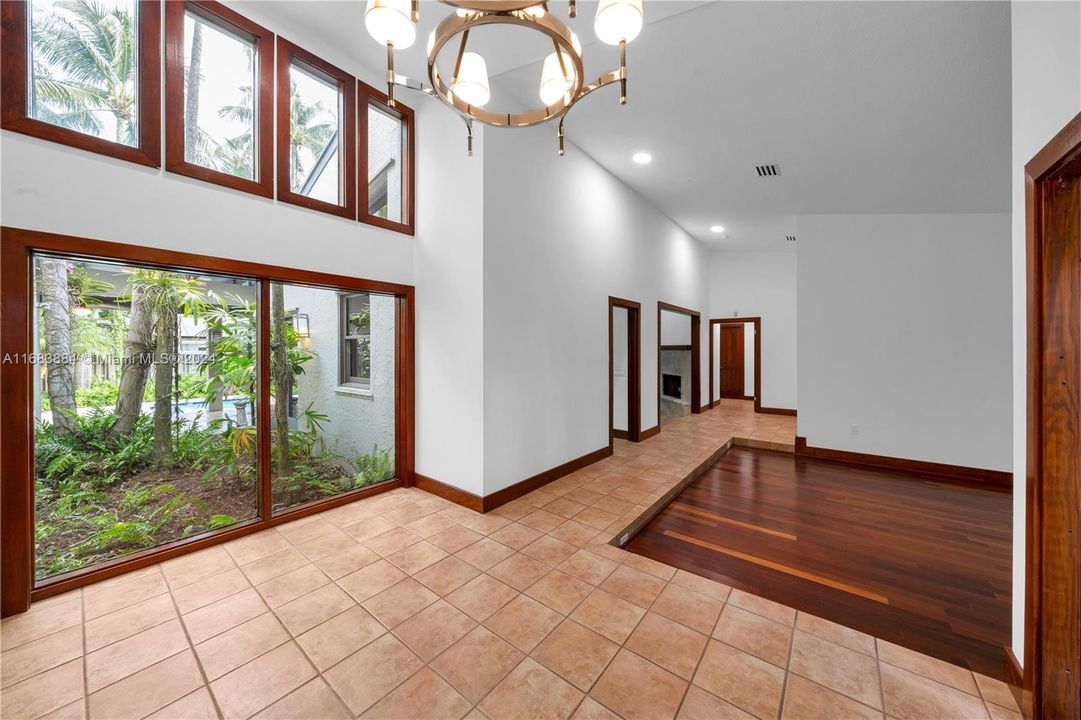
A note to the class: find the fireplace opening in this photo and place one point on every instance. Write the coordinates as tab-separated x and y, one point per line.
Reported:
671	385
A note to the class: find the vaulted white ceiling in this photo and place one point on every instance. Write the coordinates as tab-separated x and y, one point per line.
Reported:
866	107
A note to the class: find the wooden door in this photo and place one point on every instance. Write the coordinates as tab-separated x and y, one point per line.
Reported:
731	361
1059	495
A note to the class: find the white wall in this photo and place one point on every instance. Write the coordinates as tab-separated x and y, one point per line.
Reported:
904	333
1046	39
675	328
763	284
619	369
560	236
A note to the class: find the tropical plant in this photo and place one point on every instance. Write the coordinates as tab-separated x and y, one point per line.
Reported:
306	132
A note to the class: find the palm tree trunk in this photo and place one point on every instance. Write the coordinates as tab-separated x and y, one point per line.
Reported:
165	339
135	365
57	327
191	103
280	375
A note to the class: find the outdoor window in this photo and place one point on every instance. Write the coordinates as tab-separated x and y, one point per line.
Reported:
219	78
356	330
143	406
84	74
326	441
316	121
386	162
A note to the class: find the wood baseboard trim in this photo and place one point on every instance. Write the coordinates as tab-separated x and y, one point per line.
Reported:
650	432
449	492
624	536
1015	678
621	434
524	487
996	480
774	411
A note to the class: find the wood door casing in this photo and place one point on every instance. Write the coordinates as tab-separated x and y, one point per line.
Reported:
731	361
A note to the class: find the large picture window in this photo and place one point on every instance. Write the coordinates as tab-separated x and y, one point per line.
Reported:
219	96
386	162
85	74
157	402
316	131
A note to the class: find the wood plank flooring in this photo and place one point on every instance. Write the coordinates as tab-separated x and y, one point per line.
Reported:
912	560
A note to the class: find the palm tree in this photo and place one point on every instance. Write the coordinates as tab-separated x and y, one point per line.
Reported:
84	65
56	327
306	132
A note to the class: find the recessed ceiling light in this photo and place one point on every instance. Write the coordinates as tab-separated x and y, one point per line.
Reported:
642	158
716	228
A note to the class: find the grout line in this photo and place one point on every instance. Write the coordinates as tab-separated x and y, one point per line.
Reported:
191	649
788	664
86	679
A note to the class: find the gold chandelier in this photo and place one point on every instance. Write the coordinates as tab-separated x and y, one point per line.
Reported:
393	23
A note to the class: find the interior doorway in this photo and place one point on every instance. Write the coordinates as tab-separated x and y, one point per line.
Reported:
735	359
1052	667
624	370
679	361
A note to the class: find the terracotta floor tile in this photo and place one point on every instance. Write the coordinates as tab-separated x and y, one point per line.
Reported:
208	621
909	696
595	517
400	602
198	705
331	543
564	508
523	622
484	553
929	667
997	712
760	606
187	569
805	700
122	594
612	617
253	547
485	524
315	700
447	575
515	535
477	662
482	596
43	692
755	634
696	611
148	690
306	529
416	557
531	691
434	629
559	591
588	566
836	667
371	580
741	679
429	525
309	610
576	653
261	682
271	566
226	652
519	571
117	661
996	691
203	592
674	647
851	639
31	625
392	541
542	520
549	550
590	709
368	528
651	566
634	585
636	688
701	585
338	565
364	677
700	705
574	533
425	696
455	538
342	635
293	584
42	654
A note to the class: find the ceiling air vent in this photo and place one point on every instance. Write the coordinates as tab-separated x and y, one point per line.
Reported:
790	238
767	170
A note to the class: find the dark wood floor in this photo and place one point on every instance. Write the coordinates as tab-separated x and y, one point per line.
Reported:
920	563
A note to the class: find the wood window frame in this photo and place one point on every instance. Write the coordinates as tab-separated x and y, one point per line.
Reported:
757	321
288	53
345	376
15	107
368	96
634	370
16	421
263	44
696	356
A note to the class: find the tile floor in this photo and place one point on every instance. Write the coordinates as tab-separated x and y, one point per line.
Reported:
407	606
